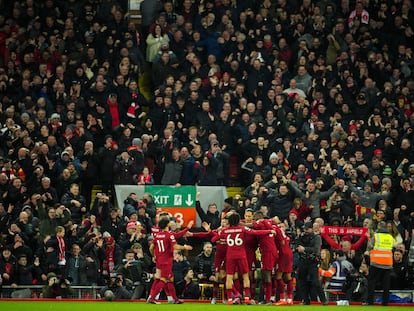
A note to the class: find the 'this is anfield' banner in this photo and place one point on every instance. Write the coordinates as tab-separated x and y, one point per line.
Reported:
343	230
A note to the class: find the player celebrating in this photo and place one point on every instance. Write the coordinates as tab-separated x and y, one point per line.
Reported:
284	268
219	256
236	261
250	244
162	248
269	252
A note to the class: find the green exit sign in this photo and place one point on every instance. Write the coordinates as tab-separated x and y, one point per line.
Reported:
170	196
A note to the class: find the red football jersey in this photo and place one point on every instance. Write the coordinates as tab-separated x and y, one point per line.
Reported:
266	242
235	236
164	242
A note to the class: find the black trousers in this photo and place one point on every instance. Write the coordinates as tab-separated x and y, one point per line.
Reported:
308	279
382	276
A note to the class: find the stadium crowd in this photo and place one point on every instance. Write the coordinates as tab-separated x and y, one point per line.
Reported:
309	105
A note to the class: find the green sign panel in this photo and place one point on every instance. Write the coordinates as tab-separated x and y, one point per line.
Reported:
170	196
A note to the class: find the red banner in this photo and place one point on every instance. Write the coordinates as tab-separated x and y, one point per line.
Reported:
344	230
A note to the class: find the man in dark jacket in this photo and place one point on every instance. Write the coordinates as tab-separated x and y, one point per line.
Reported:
89	162
212	216
204	264
75	202
280	202
187	288
309	245
132	269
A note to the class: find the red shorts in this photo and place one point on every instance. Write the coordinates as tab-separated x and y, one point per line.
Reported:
236	265
285	263
251	260
219	259
165	269
268	261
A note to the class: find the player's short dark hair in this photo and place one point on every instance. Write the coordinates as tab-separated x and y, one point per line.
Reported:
163	222
258	215
234	219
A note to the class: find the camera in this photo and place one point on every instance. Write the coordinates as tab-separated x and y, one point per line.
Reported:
132	262
59	282
115	282
146	277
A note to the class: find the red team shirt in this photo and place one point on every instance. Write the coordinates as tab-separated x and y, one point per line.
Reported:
251	244
164	242
267	244
236	253
177	235
285	253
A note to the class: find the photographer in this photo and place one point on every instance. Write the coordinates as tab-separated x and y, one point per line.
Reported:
57	288
116	286
309	245
134	270
356	285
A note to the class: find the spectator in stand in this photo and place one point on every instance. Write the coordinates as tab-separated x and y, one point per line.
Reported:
124	169
76	266
188	288
207	170
88	158
204	264
155	41
106	157
211	216
50	218
399	272
173	166
75	203
180	264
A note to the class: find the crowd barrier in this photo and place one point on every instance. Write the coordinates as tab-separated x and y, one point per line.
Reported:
35	291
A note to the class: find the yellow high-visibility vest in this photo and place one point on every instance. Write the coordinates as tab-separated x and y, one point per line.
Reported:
381	254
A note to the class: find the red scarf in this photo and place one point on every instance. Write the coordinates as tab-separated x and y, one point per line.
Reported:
114	112
145	179
109	262
62	248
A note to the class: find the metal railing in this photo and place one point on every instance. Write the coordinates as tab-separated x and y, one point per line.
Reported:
79	292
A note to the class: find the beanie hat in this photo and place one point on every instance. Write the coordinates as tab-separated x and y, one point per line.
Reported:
308	225
376	151
130	225
51	275
229	200
368	183
294	211
273	156
387	170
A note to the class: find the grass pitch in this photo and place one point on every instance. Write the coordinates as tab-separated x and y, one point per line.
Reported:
141	306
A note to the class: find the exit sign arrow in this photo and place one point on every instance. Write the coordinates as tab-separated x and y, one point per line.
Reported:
189	201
